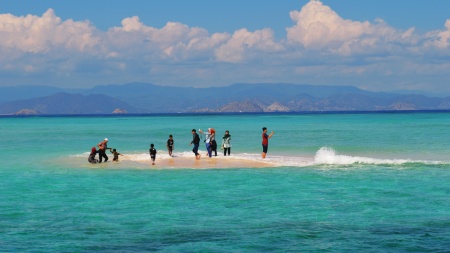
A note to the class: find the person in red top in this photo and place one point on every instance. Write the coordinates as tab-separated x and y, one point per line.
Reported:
102	147
265	141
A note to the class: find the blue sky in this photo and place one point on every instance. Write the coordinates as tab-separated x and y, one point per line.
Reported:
376	45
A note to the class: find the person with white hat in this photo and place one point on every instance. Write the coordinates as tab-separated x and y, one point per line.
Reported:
102	147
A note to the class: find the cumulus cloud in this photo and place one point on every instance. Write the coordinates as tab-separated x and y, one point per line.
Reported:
440	39
320	46
33	34
178	41
242	40
318	27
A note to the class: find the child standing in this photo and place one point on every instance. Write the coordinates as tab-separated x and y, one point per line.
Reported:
170	144
116	155
152	152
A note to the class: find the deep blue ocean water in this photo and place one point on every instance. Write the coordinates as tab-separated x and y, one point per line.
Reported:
375	182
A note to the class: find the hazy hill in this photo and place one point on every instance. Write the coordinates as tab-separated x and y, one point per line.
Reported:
65	103
339	102
142	98
154	98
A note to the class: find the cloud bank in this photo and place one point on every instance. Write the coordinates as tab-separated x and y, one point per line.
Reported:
320	47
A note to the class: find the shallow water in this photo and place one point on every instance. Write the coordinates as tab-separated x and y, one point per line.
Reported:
336	183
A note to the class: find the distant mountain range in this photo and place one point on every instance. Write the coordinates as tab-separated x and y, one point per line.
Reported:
263	97
65	103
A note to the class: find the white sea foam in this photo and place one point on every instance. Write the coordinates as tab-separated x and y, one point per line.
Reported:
85	154
329	156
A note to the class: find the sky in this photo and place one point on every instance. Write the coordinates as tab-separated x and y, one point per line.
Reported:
377	45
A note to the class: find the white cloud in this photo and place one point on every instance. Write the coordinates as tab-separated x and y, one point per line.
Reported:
320	47
33	34
174	41
243	40
439	39
318	27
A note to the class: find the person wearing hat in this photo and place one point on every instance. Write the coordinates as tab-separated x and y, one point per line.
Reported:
102	147
265	141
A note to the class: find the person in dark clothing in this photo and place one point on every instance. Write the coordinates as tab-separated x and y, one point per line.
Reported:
152	152
210	142
214	146
102	147
226	143
91	158
116	155
170	145
196	142
265	141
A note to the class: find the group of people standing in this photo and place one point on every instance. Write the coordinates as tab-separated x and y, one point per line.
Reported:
210	143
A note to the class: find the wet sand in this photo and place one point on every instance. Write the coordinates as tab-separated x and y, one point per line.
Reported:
208	163
142	161
204	162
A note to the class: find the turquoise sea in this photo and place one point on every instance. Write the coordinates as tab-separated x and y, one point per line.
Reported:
344	182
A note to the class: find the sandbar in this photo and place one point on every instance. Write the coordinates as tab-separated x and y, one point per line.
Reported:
208	163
